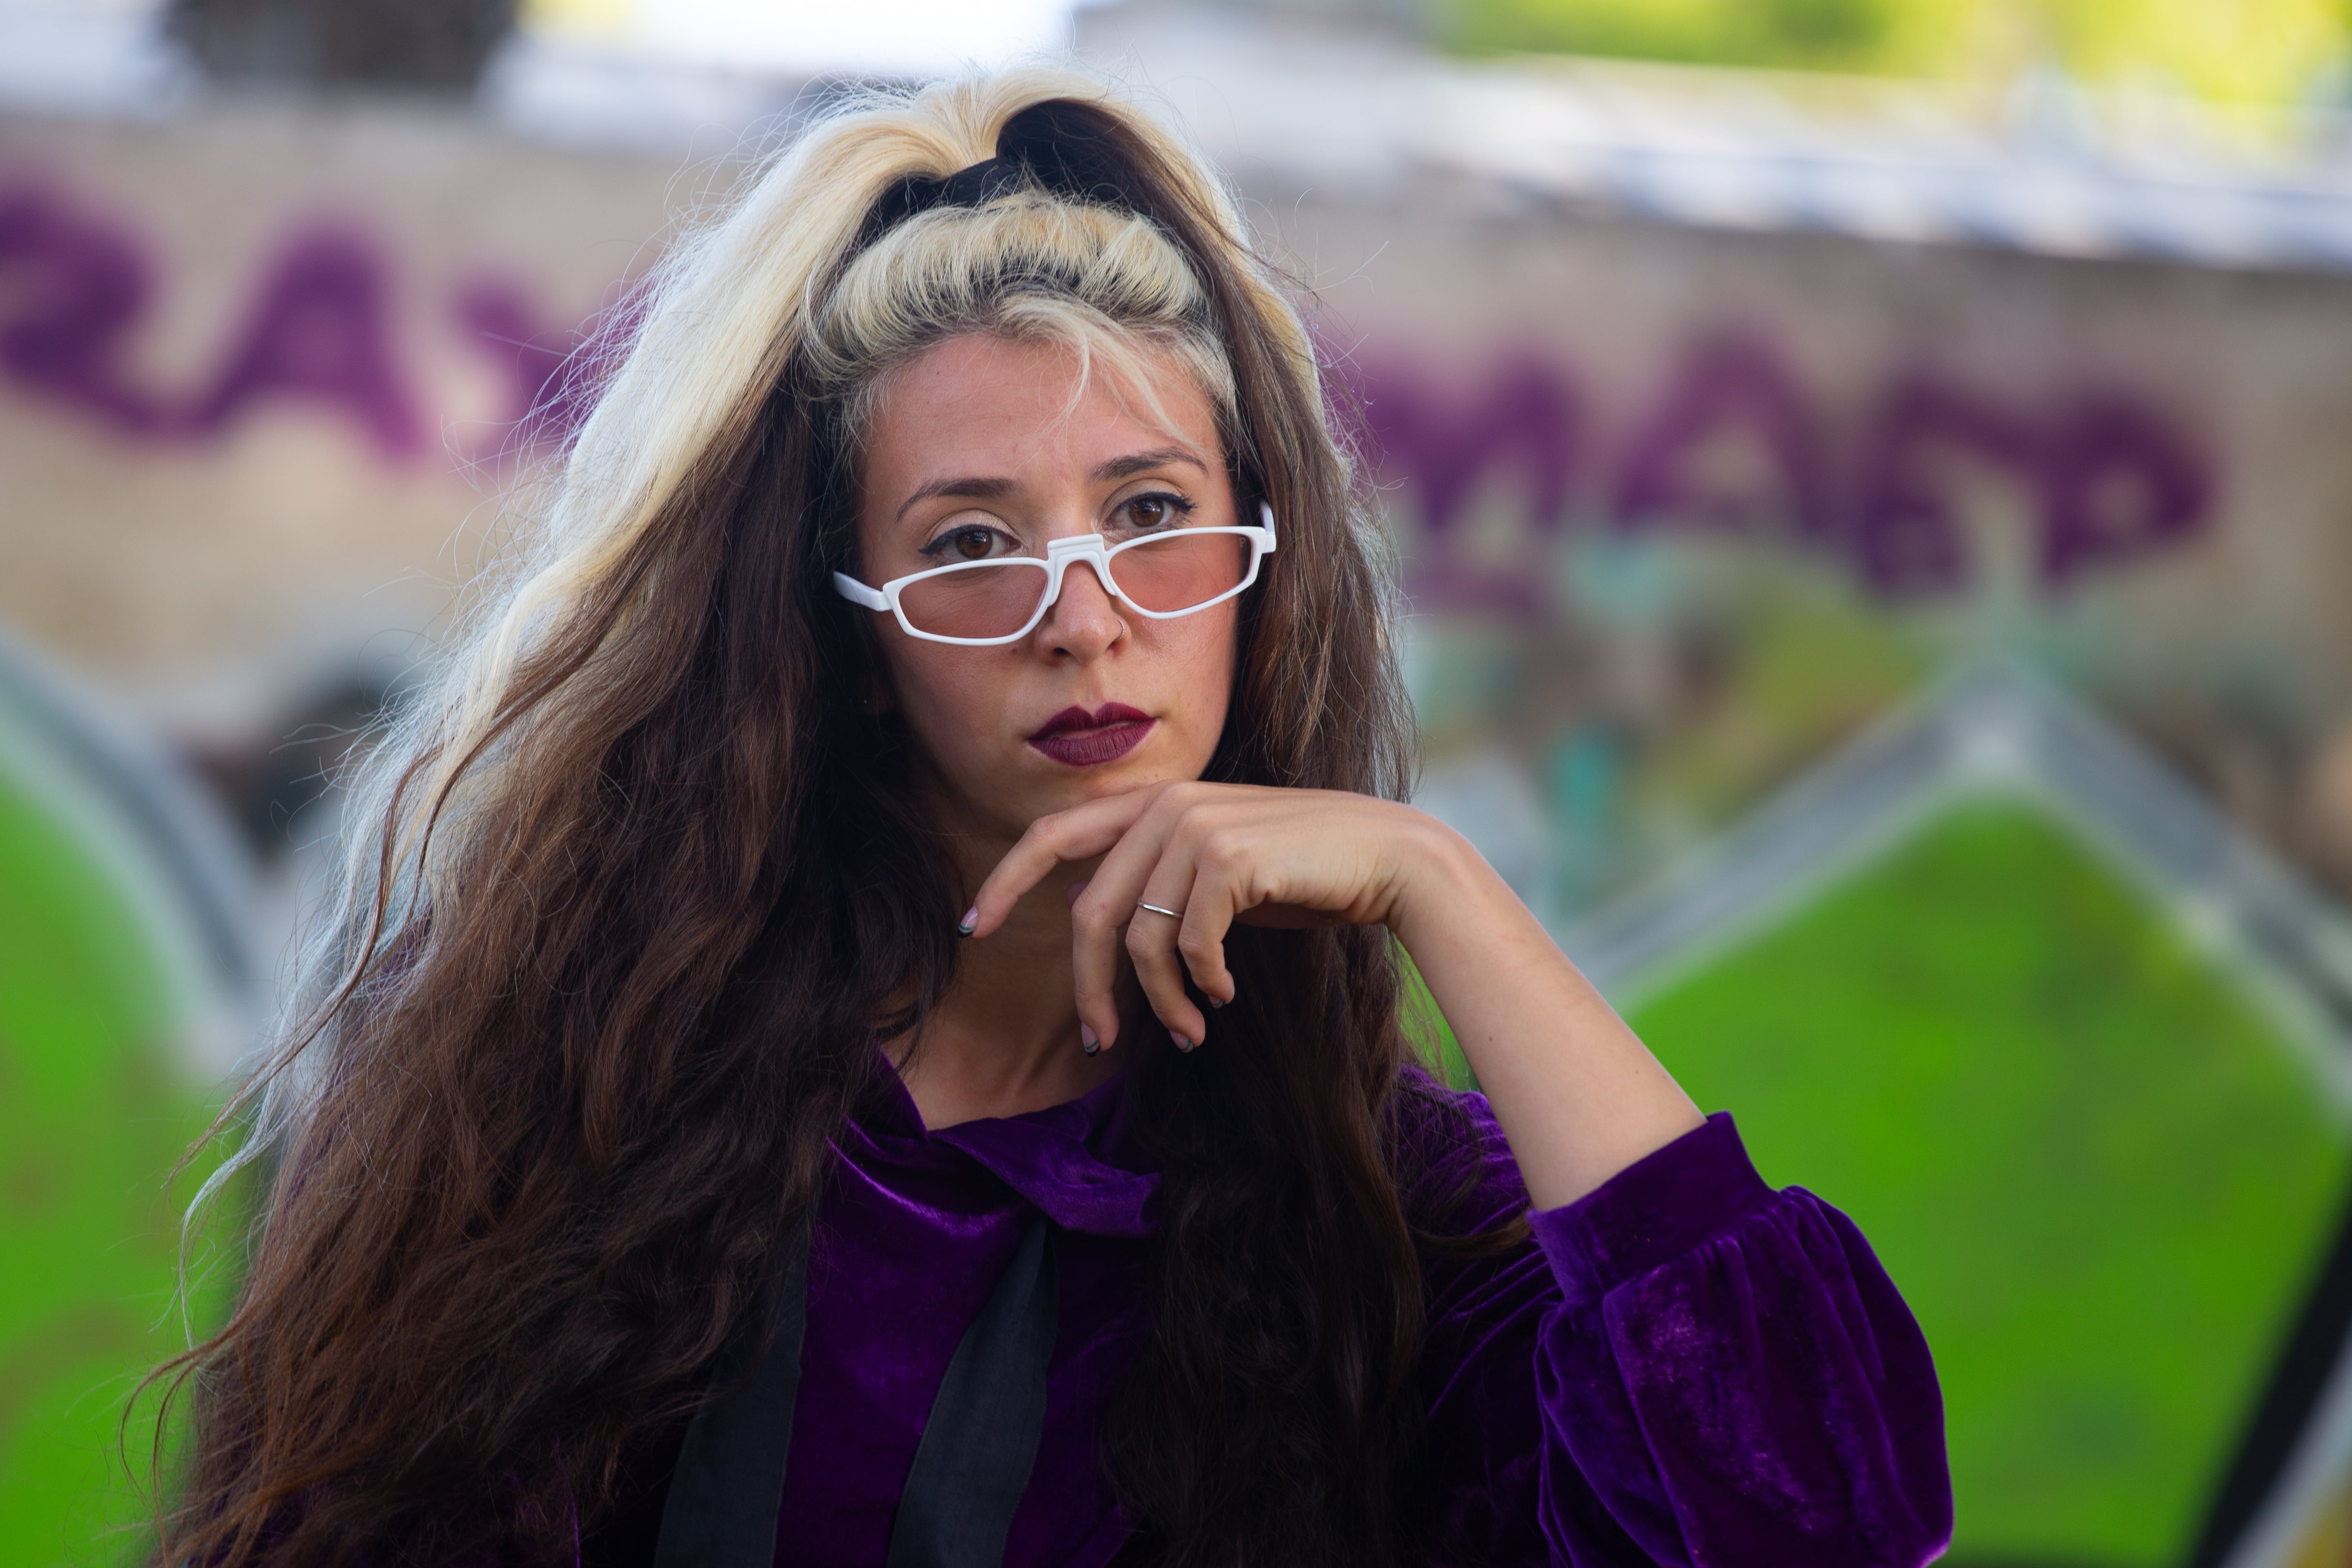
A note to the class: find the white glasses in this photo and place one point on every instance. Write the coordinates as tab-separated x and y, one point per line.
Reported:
983	603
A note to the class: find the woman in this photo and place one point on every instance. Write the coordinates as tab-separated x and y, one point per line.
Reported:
679	1179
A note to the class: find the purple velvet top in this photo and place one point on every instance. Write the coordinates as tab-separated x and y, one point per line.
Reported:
1684	1367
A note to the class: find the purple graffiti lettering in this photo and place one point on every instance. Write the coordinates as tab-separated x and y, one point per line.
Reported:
1523	416
548	399
2119	483
2113	480
81	284
557	372
1733	383
1905	538
317	334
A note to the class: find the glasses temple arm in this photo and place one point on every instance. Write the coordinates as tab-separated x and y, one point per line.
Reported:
857	593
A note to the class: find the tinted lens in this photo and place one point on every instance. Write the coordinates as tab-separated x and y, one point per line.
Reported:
985	599
1180	570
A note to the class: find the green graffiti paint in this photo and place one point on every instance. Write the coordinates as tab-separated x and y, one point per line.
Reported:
96	1107
2095	1167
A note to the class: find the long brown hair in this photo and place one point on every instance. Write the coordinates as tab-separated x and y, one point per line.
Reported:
641	884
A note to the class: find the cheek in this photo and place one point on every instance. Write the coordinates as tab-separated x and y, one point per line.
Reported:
943	699
1204	661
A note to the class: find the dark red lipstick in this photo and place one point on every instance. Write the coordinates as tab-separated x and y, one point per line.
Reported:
1078	738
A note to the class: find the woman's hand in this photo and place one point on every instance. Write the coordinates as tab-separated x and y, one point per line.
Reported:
1216	854
1578	1094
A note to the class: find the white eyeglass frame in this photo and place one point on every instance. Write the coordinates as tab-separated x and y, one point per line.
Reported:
1060	553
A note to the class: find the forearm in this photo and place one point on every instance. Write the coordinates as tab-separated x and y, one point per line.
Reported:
1576	1093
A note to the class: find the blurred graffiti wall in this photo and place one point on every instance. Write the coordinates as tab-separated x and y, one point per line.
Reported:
1693	492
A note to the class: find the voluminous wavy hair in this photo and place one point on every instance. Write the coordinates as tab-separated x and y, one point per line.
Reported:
633	890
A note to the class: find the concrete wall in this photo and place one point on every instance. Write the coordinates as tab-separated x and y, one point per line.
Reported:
259	362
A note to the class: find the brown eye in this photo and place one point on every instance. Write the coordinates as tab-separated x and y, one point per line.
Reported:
1154	511
971	543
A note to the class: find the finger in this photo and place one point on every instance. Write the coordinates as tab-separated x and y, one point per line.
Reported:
1209	914
1151	933
1099	916
1080	833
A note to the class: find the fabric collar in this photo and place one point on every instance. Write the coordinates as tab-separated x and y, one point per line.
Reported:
1066	1158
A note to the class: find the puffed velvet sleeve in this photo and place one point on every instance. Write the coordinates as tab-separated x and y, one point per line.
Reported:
1684	1368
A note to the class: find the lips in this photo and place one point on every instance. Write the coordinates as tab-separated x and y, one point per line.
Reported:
1078	738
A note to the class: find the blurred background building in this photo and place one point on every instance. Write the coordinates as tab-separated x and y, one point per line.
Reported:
1873	486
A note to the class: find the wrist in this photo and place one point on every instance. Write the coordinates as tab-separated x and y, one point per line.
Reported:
1442	877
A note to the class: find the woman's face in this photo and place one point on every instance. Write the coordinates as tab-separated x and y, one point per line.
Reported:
977	450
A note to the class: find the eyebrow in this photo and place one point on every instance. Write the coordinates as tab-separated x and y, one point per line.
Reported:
1142	462
977	488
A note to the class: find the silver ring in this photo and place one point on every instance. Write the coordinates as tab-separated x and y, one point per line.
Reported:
1155	909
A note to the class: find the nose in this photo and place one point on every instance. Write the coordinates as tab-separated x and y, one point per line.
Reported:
1083	621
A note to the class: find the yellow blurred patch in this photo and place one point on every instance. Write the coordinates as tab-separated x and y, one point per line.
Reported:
603	19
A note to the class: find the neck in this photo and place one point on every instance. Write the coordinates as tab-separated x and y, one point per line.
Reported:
1004	1038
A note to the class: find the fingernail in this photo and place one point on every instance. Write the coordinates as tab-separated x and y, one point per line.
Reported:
1214	1002
1087	1041
970	919
1182	1043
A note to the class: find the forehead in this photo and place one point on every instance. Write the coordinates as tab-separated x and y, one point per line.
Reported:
982	405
